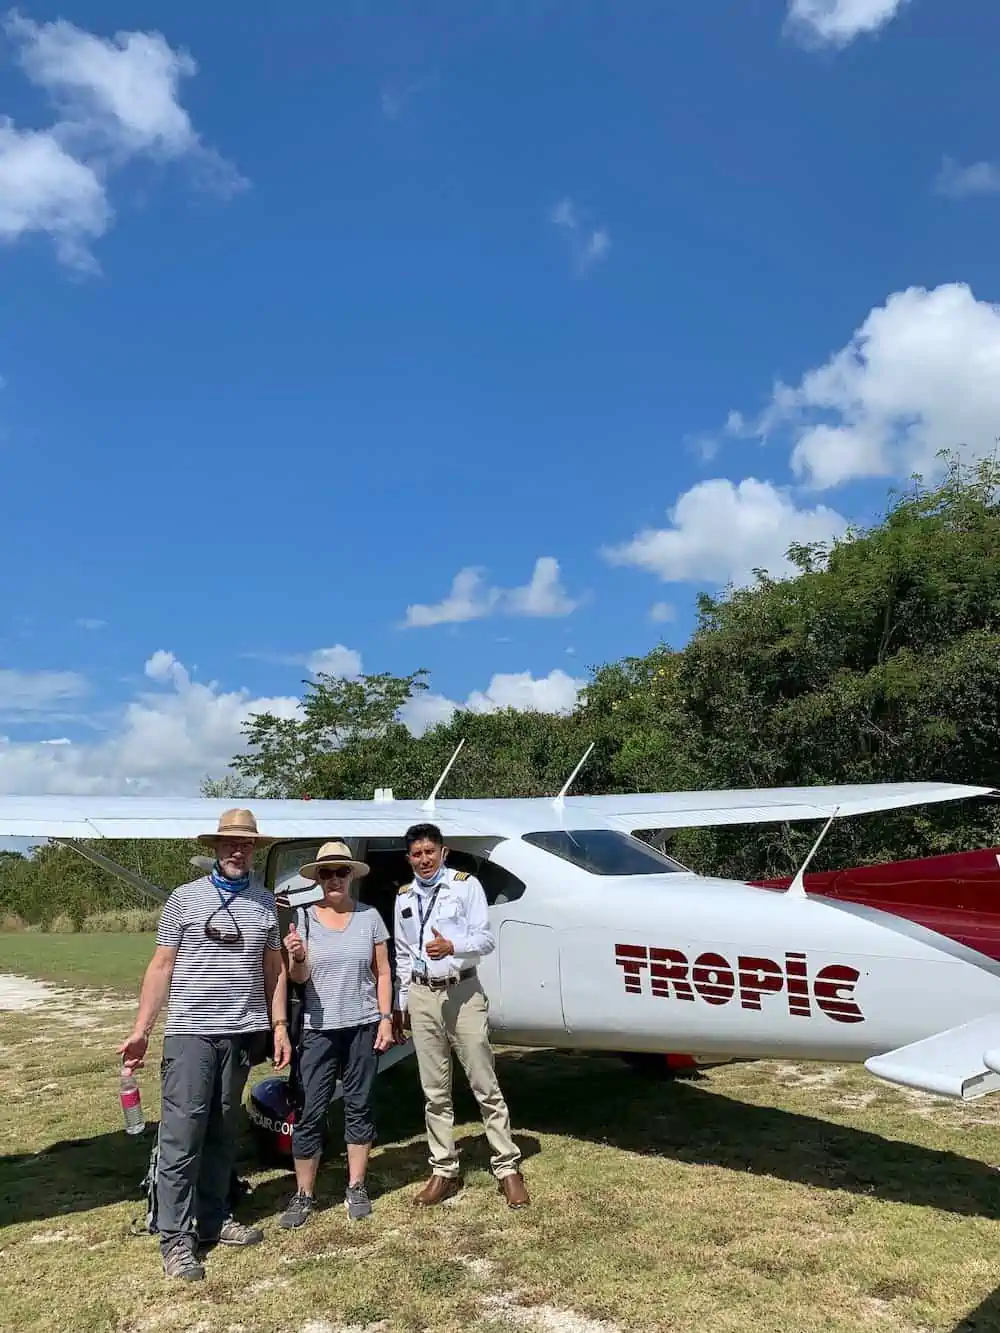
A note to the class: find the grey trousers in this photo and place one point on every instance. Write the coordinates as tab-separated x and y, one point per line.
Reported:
202	1082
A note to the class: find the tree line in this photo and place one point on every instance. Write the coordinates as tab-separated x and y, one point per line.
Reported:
877	661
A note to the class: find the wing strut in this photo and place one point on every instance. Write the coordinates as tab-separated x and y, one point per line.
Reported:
105	863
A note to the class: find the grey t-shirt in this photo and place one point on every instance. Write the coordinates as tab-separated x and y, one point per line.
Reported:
217	989
341	990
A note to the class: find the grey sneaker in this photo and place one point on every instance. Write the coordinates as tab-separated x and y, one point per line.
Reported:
297	1213
235	1233
180	1261
357	1202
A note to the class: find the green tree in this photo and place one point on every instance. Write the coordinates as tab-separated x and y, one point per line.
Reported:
879	662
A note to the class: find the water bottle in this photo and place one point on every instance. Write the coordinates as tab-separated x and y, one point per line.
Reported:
128	1095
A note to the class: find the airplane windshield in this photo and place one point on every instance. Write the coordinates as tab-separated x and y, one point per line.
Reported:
604	852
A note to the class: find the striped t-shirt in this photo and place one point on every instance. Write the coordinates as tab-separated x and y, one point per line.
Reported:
217	988
341	991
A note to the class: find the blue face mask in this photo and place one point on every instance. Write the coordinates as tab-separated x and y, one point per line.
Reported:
225	885
436	878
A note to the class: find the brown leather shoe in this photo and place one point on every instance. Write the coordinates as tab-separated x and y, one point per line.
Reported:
437	1189
514	1190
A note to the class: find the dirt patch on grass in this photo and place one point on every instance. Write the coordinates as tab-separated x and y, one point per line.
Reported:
20	993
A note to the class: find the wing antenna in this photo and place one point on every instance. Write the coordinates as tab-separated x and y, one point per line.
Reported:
560	800
797	888
429	803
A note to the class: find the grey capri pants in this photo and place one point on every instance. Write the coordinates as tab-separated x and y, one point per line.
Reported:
350	1054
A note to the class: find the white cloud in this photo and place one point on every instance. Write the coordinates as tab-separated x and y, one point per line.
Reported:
335	661
662	613
170	737
958	182
39	691
471	599
720	532
394	96
587	245
44	189
426	711
123	89
921	374
555	693
117	99
839	22
165	742
543	596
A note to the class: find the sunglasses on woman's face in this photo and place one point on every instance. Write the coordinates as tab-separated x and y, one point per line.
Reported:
335	872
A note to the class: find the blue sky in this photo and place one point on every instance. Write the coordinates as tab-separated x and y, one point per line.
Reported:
304	316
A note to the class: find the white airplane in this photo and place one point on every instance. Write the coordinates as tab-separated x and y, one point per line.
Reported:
606	944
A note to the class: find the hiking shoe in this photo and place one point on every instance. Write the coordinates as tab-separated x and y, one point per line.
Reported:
235	1233
357	1202
297	1213
179	1261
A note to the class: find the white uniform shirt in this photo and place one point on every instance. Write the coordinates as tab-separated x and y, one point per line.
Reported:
459	914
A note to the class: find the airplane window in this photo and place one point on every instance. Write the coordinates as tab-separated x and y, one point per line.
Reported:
604	852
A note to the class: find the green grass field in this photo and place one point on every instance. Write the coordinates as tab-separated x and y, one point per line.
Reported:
115	962
783	1197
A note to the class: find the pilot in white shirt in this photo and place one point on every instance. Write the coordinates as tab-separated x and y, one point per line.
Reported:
441	931
454	908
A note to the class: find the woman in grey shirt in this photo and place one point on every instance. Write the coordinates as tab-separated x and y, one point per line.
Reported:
339	949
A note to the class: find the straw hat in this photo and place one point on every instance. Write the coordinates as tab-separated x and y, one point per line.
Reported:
332	854
236	824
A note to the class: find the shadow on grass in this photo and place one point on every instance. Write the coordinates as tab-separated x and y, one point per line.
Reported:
589	1097
984	1318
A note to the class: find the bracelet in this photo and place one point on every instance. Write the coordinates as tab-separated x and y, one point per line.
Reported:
280	1023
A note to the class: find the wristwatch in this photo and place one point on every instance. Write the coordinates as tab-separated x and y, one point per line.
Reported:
386	1018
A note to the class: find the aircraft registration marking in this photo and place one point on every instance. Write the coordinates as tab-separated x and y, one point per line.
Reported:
717	981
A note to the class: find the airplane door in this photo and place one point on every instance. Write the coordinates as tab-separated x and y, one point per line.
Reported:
530	986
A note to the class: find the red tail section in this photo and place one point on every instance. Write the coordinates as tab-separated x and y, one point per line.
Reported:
956	895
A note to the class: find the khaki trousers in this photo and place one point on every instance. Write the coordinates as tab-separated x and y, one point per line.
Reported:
455	1019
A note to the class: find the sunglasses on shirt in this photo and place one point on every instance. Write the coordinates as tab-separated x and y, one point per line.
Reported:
220	937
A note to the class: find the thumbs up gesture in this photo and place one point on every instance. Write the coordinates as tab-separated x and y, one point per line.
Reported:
294	945
439	947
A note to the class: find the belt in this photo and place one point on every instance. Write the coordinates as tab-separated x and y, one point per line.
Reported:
442	983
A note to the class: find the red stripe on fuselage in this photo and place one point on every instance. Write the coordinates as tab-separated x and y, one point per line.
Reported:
957	896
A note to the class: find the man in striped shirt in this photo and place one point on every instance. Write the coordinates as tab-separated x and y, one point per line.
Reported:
217	966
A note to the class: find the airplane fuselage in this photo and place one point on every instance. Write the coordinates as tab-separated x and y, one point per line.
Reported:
678	962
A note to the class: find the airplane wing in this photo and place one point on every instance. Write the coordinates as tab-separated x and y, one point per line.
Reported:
961	1062
185	817
763	805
